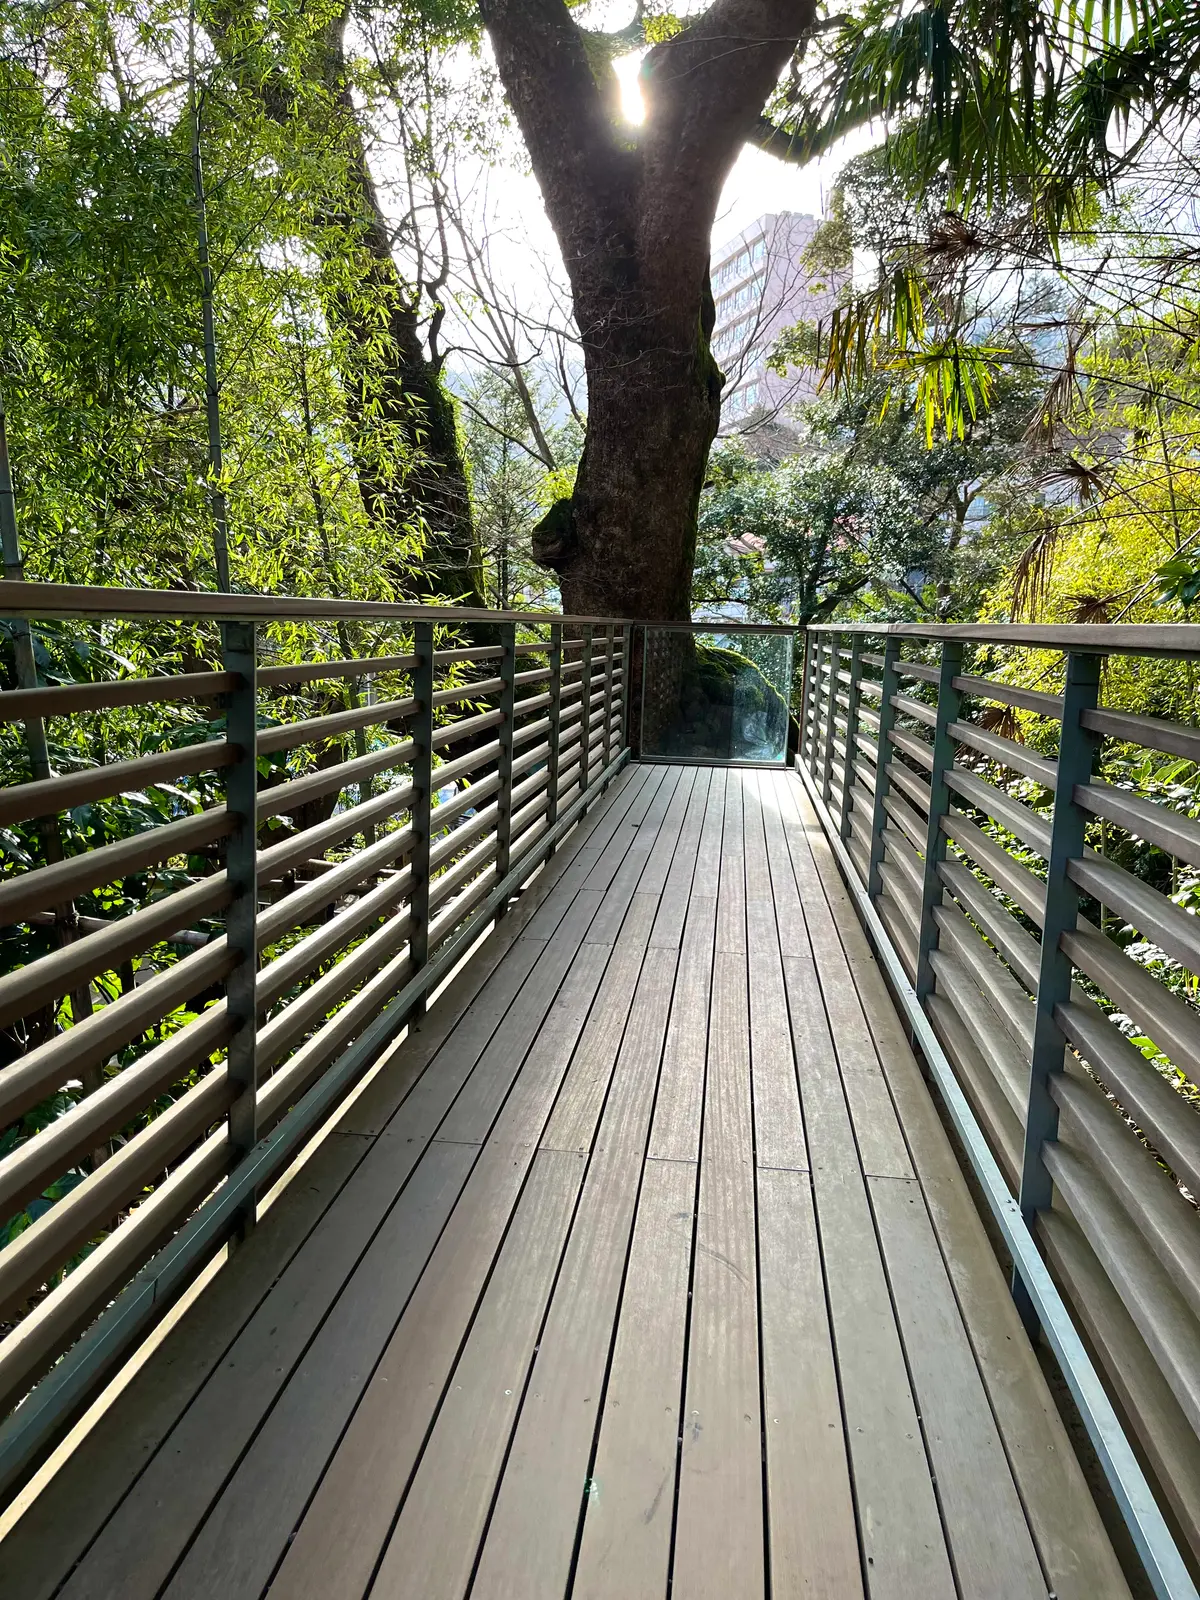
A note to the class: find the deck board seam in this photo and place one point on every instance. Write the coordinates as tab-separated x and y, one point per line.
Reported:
534	1147
824	880
823	980
969	1335
722	778
601	813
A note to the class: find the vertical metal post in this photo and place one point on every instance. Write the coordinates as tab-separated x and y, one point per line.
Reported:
889	686
853	699
555	738
835	657
421	810
1076	756
504	763
585	727
811	659
240	654
608	694
948	706
635	735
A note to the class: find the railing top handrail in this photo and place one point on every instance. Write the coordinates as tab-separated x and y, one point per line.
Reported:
55	601
1099	638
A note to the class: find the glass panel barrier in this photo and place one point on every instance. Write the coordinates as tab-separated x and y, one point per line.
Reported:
712	695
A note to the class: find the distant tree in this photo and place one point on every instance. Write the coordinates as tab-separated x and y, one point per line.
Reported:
514	472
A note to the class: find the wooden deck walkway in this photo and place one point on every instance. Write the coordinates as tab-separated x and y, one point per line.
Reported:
643	1269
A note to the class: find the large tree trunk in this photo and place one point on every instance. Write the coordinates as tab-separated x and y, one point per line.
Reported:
392	387
625	543
633	209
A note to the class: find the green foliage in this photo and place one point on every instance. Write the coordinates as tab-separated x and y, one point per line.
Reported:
517	473
1036	103
1179	579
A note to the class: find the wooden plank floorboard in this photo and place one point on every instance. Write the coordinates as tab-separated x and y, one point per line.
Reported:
731	894
812	1534
1075	1551
247	1531
990	1543
677	887
344	1529
531	1539
778	1123
63	1521
535	1520
643	1266
980	1509
629	1503
719	1530
899	1524
432	1548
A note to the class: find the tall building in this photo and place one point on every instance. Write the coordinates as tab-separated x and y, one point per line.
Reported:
761	286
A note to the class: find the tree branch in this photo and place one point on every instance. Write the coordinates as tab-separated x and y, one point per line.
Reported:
713	78
543	62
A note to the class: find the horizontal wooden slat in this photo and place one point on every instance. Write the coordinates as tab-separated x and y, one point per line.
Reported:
1151	732
1163	1218
1018	948
480	689
23	801
1145	1288
1172	1024
92	869
63	970
1007	694
917	709
316	671
1006	751
1094	638
288	735
909	783
1178	835
912	745
917	669
1021	885
278	800
1168	1122
1020	818
467	729
1154	916
36	1342
33	599
48	1155
1005	1064
42	1070
90	1206
61	700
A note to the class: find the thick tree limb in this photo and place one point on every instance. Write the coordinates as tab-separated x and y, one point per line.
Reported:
543	61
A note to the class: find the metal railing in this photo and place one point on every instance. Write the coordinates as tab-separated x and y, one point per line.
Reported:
1051	985
330	837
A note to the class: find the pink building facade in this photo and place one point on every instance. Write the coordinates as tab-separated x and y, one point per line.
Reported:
760	286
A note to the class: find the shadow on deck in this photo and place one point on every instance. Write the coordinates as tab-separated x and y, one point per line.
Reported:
642	1267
